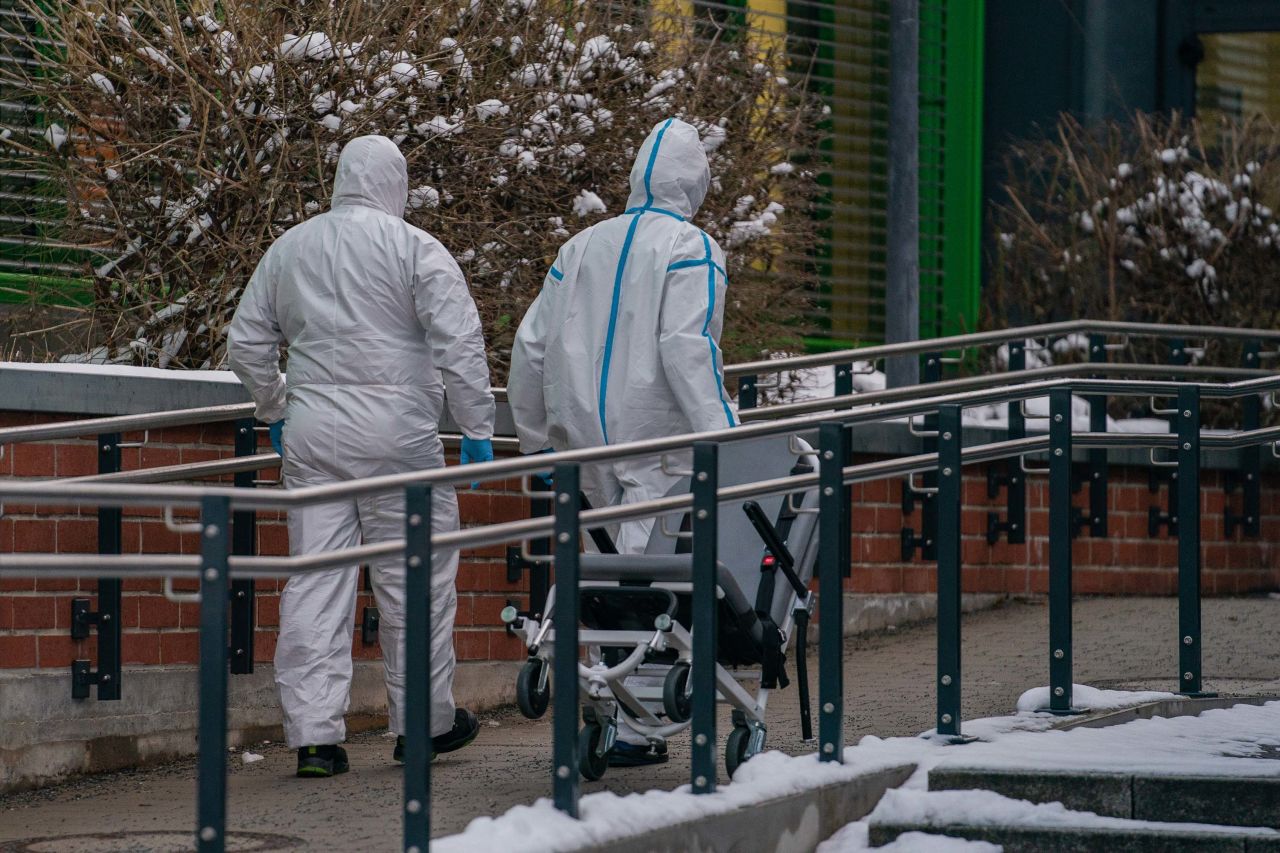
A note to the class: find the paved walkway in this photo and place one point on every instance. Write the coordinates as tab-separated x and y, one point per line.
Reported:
889	681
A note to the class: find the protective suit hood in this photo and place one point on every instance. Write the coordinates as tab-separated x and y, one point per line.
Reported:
671	172
372	173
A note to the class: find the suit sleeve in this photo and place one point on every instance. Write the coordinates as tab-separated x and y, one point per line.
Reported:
253	343
525	387
448	314
689	338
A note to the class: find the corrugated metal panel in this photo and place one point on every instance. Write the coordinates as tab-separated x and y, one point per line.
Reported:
32	210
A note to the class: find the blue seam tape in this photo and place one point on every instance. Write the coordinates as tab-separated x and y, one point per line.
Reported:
653	158
556	274
613	324
706	325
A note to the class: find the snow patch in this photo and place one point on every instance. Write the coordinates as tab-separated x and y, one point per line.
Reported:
587	203
1091	698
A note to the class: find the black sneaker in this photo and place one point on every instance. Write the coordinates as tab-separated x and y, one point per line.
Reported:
637	755
465	728
398	753
322	761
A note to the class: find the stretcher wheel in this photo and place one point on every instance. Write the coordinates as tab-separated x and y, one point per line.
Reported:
735	749
532	701
591	764
675	694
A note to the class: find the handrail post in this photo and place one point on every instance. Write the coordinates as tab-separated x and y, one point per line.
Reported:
1099	470
1248	477
703	676
244	528
844	378
417	651
1188	509
106	619
211	798
1060	530
1014	526
748	392
949	503
927	541
565	669
834	547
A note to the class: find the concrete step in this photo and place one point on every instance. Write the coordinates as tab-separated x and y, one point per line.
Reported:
1018	824
1221	800
1064	839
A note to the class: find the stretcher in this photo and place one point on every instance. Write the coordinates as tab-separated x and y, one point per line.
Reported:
635	612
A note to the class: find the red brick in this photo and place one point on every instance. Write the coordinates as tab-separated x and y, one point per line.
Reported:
268	610
465	616
34	612
984	579
179	647
56	650
159	457
264	646
6	612
140	648
33	536
1038	581
156	611
143	585
60	584
273	540
17	651
471	644
877	579
76	460
916	579
503	646
33	460
17	584
473	577
77	536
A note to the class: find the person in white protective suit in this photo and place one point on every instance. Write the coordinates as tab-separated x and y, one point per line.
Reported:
379	324
623	342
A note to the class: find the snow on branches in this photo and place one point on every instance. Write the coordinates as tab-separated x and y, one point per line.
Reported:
186	142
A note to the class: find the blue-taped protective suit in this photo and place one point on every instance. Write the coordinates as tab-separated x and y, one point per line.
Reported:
379	323
623	341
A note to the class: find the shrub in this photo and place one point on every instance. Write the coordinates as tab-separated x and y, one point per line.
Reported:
187	142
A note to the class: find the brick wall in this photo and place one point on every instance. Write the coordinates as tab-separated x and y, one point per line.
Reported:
35	615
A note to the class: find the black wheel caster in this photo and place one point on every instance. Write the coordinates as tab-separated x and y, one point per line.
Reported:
532	701
591	764
675	694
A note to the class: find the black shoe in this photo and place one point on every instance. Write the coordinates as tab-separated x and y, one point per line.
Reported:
465	728
398	753
322	761
637	755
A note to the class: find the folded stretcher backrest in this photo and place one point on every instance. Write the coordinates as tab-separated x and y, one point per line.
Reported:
740	547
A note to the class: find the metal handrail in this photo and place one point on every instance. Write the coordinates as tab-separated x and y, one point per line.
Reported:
233	411
223	467
158	565
1067	327
990	380
127	494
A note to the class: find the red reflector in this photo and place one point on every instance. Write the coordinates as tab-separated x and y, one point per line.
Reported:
769	561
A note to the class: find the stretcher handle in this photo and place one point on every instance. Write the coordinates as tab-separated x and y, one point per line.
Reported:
776	546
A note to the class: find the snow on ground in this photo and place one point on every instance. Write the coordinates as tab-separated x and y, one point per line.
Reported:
853	839
1091	698
607	816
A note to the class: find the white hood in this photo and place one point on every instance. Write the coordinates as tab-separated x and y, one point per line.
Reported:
671	171
372	173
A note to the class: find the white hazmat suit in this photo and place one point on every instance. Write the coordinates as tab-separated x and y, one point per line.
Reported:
379	323
623	341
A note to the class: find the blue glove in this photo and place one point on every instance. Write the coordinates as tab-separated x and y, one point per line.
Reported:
276	432
476	450
545	479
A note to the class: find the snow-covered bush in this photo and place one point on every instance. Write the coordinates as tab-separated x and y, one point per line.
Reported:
188	135
1159	220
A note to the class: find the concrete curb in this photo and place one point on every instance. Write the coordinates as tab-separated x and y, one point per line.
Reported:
46	736
797	823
